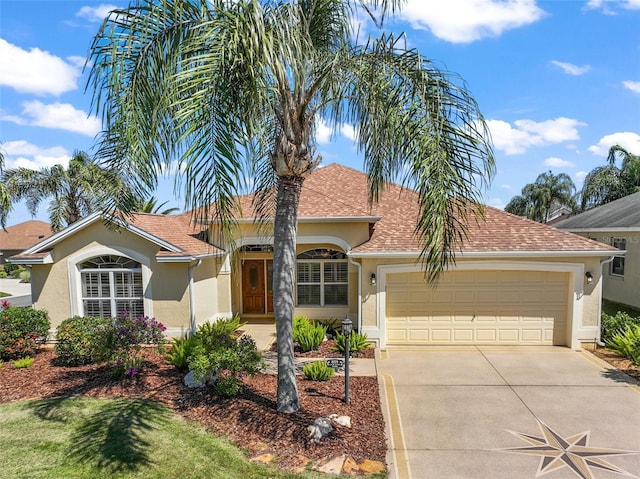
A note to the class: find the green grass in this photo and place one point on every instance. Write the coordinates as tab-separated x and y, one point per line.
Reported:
3	294
611	308
77	438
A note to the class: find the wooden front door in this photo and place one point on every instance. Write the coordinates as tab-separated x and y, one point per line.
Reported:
257	290
253	297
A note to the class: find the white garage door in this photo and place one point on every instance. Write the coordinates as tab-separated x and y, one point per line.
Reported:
477	307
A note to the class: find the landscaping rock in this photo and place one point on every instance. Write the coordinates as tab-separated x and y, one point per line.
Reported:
320	428
341	420
191	382
331	465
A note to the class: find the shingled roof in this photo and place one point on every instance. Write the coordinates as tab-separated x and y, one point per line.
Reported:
338	191
621	213
178	238
24	235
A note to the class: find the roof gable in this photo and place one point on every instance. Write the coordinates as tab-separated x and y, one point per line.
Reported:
621	213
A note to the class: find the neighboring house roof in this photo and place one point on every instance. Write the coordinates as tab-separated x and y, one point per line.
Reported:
621	213
24	235
178	239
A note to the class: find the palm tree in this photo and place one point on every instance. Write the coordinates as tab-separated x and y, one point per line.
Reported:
5	198
235	90
606	183
540	198
74	192
151	205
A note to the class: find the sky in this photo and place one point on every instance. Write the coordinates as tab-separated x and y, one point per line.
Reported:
557	81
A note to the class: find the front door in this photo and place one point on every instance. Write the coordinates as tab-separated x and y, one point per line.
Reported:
253	287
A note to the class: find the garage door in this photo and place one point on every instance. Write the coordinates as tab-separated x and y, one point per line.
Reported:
477	307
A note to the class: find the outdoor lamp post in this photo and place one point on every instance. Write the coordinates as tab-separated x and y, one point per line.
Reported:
347	327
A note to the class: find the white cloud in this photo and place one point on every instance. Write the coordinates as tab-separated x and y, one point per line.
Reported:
634	86
554	162
348	131
464	21
323	132
581	175
628	140
608	6
36	71
506	186
21	154
524	134
571	69
496	203
95	14
62	116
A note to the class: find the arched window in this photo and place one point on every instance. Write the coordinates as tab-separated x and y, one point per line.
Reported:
322	278
110	285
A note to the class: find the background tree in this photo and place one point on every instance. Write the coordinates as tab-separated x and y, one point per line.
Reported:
548	193
73	192
235	90
606	183
151	205
5	198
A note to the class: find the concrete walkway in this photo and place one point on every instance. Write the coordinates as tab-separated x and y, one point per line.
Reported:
265	335
486	412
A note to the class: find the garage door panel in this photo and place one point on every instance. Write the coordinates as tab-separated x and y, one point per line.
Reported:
486	307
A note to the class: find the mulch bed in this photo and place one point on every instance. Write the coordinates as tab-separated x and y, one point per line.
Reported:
328	350
620	363
249	420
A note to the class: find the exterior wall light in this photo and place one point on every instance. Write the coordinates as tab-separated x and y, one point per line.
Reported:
589	277
373	279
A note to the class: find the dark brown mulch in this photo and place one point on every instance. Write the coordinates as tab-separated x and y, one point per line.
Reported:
328	350
250	420
618	362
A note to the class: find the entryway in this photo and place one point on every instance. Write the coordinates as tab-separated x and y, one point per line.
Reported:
257	286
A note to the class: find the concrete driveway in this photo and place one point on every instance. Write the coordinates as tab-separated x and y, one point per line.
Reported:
20	292
488	412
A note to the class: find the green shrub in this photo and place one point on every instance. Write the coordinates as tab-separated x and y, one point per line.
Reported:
21	331
81	340
625	341
219	333
10	268
3	274
318	371
229	362
182	350
308	334
21	363
611	325
25	276
357	342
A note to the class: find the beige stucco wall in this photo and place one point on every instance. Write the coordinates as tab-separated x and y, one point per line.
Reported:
625	290
166	292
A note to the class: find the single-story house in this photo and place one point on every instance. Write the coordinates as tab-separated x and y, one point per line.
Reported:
616	224
515	282
17	238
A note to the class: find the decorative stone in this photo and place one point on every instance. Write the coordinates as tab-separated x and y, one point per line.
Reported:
301	463
191	382
330	465
263	458
350	466
341	420
371	467
319	429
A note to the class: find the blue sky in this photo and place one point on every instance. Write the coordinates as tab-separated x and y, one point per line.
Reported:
558	82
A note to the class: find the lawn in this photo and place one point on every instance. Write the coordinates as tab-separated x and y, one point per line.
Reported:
4	295
611	308
77	437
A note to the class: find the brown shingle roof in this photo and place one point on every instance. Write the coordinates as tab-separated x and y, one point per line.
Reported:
24	235
176	230
336	190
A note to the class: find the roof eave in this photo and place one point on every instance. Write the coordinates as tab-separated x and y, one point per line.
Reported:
493	254
48	259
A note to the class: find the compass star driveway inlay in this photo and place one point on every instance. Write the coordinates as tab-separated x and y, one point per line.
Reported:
488	412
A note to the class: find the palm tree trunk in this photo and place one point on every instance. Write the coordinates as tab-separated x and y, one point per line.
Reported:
284	264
